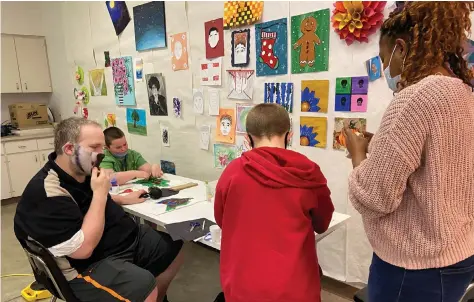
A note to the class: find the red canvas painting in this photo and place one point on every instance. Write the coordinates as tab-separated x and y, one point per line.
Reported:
214	38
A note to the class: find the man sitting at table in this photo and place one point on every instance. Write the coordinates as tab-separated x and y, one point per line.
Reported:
127	163
268	203
104	255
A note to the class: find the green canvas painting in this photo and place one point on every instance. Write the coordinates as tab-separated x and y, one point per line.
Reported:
310	42
343	85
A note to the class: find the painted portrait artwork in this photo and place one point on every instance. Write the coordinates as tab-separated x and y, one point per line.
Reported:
240	55
225	127
271	44
157	94
214	36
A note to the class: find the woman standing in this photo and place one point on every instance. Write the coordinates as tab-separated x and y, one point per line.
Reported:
415	191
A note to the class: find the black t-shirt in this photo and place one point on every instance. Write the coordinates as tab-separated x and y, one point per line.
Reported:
53	206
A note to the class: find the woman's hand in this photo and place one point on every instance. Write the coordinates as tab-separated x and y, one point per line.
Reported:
356	145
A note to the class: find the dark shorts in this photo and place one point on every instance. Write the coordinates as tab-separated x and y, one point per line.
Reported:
130	275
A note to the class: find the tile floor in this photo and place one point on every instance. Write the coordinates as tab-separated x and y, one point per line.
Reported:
198	281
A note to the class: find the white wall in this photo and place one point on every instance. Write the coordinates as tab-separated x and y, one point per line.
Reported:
75	31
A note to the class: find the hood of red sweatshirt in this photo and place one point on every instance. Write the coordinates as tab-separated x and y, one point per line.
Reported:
280	168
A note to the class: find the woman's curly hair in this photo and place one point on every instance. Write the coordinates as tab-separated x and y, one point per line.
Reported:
435	32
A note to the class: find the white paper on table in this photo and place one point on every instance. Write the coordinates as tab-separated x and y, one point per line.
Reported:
211	72
213	101
204	137
198	100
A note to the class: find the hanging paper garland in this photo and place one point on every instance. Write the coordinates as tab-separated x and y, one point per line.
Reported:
357	20
79	75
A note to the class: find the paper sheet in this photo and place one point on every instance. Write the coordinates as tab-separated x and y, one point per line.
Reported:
214	101
211	72
198	100
204	137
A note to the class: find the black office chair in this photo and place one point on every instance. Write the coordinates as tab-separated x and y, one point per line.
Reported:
361	295
46	271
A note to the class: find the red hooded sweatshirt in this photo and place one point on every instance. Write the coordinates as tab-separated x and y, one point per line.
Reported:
268	203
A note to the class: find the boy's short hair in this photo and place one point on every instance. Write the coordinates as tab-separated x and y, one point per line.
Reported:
267	120
111	134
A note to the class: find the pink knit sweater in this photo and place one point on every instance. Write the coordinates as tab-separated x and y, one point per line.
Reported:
415	191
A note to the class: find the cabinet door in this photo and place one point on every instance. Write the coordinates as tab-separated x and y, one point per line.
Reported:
10	74
33	64
22	166
6	189
43	156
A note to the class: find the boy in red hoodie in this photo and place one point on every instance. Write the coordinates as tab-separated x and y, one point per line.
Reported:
269	202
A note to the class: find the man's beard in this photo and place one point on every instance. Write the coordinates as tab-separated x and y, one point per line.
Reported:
83	161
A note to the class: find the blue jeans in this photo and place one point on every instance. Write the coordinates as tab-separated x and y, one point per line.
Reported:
389	283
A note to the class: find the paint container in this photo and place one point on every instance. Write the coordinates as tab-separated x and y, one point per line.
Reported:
114	189
215	234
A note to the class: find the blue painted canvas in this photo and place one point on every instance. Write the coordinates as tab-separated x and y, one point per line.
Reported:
271	44
360	85
343	102
136	121
150	25
279	93
119	15
168	167
374	68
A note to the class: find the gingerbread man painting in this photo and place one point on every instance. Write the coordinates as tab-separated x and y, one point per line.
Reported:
308	41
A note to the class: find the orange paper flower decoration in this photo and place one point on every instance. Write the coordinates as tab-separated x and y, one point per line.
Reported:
357	20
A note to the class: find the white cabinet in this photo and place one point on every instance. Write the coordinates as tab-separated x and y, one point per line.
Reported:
25	65
6	189
10	74
23	166
43	156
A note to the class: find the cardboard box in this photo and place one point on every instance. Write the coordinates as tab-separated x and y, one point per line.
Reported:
28	115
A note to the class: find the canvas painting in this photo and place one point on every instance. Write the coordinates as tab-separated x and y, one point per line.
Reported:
271	44
150	25
165	136
138	69
177	107
343	102
198	100
214	101
157	94
223	155
119	14
313	131
314	96
214	37
204	136
242	112
97	83
351	94
310	42
110	120
343	85
211	72
356	124
240	55
107	58
168	167
279	93
122	72
179	51
240	84
136	121
360	85
359	103
241	145
374	68
241	13
225	128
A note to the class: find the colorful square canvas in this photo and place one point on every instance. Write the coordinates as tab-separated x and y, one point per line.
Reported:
343	85
360	85
313	131
157	94
374	68
356	124
240	55
225	128
122	72
359	103
223	155
168	167
242	112
211	72
279	93
119	14
271	44
136	121
150	25
240	84
97	83
241	13
214	37
314	96
179	51
343	102
310	42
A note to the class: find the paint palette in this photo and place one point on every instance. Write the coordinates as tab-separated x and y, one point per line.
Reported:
351	94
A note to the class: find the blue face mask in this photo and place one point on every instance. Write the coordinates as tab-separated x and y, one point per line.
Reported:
120	155
392	82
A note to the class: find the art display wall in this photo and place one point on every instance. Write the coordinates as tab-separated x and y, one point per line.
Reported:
183	96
